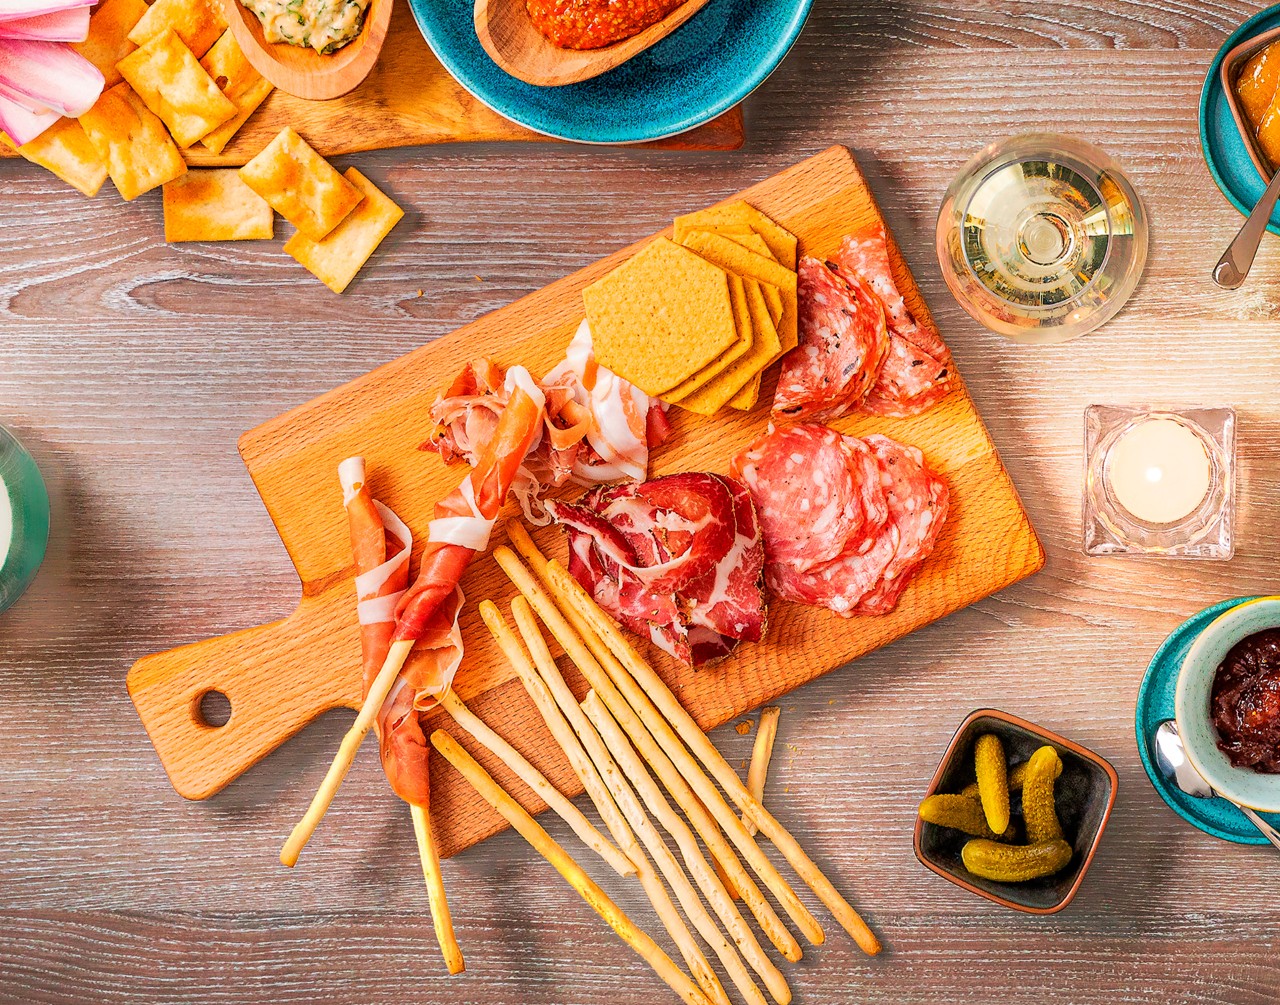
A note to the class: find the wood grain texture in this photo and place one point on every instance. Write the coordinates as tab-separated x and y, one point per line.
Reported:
408	99
130	368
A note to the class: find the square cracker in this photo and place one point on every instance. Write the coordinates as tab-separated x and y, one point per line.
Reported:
65	150
716	393
167	77
197	22
239	81
661	316
712	371
139	152
723	252
336	260
215	206
781	241
108	40
301	185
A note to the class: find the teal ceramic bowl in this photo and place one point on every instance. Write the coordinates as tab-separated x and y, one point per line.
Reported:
703	68
1191	704
1220	140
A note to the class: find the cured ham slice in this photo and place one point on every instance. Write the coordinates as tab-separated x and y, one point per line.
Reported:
916	372
847	522
677	559
843	342
597	427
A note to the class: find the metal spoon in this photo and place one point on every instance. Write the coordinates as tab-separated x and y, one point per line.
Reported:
1237	260
1172	759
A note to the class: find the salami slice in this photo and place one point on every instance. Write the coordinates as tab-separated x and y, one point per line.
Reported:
910	382
842	342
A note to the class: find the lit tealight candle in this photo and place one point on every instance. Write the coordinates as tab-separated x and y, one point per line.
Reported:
1159	471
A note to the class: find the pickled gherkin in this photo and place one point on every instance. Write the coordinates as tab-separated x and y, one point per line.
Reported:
1038	808
1017	776
993	781
1009	863
961	813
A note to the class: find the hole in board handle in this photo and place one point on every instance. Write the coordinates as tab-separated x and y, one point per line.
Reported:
213	709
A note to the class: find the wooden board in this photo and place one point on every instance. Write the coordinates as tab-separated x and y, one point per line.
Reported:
280	676
408	100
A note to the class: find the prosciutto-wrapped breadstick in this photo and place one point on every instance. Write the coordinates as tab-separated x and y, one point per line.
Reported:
427	614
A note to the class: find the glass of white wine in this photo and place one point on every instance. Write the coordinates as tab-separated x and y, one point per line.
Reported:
1042	238
24	519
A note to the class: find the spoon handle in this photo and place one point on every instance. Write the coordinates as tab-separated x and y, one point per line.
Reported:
1267	830
1237	260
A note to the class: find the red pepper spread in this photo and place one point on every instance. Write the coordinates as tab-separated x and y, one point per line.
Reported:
1245	702
593	24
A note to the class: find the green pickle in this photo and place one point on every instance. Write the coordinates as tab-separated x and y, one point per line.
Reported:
993	781
1009	863
1017	777
961	813
1038	809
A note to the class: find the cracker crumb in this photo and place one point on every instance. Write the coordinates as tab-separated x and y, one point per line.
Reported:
744	727
479	280
419	293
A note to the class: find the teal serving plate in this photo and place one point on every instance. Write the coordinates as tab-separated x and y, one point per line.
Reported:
1224	148
25	506
699	71
1156	703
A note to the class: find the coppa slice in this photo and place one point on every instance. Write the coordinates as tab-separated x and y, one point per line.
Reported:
678	560
843	342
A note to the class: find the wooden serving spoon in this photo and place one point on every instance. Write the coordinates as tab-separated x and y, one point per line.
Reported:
511	40
303	72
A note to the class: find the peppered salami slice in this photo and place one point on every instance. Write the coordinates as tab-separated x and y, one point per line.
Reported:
843	340
841	583
910	381
918	502
809	502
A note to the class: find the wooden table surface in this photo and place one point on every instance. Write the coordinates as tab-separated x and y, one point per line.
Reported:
129	368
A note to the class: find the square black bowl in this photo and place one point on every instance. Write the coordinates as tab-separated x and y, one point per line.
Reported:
1084	793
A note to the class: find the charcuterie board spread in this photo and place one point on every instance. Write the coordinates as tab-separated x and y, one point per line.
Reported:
409	99
279	677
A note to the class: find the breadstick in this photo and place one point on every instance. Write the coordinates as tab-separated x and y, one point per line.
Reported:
648	685
440	916
675	778
628	762
761	753
546	846
537	781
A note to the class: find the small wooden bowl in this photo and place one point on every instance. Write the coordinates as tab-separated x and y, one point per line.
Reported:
512	41
1232	63
303	72
1085	793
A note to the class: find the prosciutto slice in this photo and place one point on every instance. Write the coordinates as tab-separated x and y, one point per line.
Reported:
597	427
677	559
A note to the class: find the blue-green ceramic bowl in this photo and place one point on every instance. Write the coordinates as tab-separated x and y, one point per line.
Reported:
1224	148
703	68
1191	704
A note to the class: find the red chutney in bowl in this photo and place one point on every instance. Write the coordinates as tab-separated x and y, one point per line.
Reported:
1245	702
593	24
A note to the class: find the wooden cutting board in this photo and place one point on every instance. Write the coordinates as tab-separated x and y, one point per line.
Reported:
408	100
279	677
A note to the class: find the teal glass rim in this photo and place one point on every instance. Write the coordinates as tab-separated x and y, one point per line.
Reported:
24	519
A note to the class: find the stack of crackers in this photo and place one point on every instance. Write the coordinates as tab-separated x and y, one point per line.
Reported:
175	76
697	320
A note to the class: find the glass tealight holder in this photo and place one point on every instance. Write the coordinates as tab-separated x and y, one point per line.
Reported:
1159	481
24	519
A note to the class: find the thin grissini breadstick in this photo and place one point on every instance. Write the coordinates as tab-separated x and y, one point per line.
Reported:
729	888
378	691
761	753
440	916
582	765
627	761
538	782
546	846
649	685
677	780
595	786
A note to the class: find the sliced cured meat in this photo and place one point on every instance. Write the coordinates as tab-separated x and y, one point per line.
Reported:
876	511
679	560
810	501
843	341
918	503
917	368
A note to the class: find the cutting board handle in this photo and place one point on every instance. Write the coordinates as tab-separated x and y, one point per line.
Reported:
277	678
